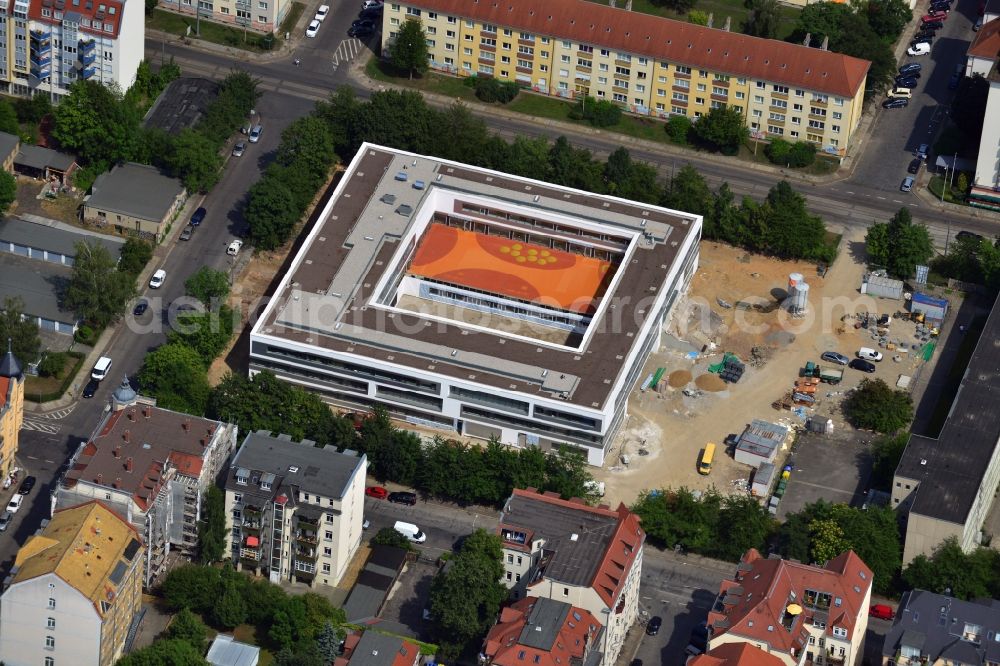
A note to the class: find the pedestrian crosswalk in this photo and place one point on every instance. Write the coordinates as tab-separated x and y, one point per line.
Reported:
41	426
346	51
56	414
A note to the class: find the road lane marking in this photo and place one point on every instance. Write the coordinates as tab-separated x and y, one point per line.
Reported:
38	426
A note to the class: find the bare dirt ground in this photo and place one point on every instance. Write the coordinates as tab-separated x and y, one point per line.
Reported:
672	428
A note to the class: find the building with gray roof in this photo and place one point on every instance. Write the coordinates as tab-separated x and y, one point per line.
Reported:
37	284
44	163
375	649
760	442
226	651
304	501
48	240
478	302
134	198
945	486
937	629
371	589
182	105
9	145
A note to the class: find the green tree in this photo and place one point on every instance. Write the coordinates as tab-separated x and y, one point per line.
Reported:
208	333
827	539
33	109
187	626
465	598
689	192
94	122
328	643
821	19
873	405
212	531
955	573
171	652
97	291
264	402
409	52
209	286
763	17
52	364
134	256
271	212
887	451
697	17
743	524
887	17
678	129
230	610
174	374
722	128
8	119
22	333
307	144
194	158
192	587
390	537
899	245
679	518
681	7
791	230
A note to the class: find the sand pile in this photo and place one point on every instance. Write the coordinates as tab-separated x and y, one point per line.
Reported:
710	382
679	378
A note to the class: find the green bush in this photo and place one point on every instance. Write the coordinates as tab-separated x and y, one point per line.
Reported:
599	113
493	90
777	151
802	154
52	365
85	335
66	381
678	129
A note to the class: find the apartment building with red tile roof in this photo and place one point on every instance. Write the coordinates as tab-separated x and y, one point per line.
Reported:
735	654
537	630
801	614
646	64
568	551
152	466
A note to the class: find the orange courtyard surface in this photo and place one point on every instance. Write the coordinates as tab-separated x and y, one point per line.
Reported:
519	270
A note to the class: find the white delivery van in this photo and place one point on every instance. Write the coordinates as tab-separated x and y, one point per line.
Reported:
410	531
101	368
869	354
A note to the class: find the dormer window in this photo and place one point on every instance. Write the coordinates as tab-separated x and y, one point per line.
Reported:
840	632
242	476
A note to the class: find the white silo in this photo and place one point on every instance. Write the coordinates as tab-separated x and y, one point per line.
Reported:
799	298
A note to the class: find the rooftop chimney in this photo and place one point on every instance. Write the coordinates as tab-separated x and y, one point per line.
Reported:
131	414
826	43
146	411
809	37
186	425
711	19
125	435
128	464
729	21
100	477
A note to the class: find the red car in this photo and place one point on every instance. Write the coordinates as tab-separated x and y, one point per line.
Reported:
932	17
378	492
881	611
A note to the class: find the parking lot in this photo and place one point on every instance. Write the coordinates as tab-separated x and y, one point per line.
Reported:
898	132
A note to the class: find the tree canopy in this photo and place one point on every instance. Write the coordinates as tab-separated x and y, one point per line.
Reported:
22	333
874	405
955	573
93	122
175	375
466	596
409	51
97	291
899	245
212	532
723	128
209	286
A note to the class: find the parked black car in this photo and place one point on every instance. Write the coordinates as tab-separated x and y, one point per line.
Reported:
862	365
968	234
906	82
199	216
933	25
922	40
140	308
91	388
896	103
27	485
372	13
653	626
914	165
910	68
403	498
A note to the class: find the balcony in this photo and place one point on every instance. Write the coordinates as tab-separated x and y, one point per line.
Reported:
305	520
306	553
89	72
40	36
305	567
86	45
306	537
87	61
41	72
251	525
252	511
250	554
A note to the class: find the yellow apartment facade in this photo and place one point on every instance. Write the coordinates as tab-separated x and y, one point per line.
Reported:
11	410
646	64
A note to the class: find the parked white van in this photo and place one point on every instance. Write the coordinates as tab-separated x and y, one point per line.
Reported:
410	531
919	49
101	368
869	354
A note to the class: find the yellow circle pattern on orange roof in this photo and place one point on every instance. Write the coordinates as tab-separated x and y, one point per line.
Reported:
504	249
532	257
521	259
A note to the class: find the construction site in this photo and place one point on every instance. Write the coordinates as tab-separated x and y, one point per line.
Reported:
746	352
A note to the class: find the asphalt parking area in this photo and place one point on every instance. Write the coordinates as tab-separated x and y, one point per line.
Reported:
403	612
835	468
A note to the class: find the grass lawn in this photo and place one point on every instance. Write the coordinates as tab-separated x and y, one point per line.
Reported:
246	633
719	9
217	33
292	17
555	109
430	82
40	386
953	195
